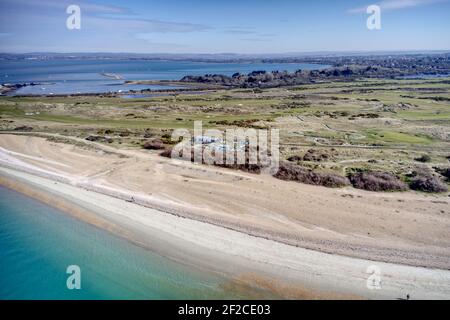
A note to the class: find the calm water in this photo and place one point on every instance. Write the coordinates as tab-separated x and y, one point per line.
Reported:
84	76
37	243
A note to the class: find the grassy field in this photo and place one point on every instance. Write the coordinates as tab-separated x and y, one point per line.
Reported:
360	125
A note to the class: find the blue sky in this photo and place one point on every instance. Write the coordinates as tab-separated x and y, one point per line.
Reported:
219	26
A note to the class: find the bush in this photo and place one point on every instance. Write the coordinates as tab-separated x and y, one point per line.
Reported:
292	172
295	158
251	168
315	155
95	138
420	171
377	181
444	172
423	158
247	167
287	171
428	184
23	128
154	145
333	180
166	153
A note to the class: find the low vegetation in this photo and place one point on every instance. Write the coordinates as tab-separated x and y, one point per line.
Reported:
428	184
423	158
369	133
377	181
444	172
155	144
292	172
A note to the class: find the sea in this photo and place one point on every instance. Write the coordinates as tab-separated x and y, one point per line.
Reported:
40	244
47	254
72	76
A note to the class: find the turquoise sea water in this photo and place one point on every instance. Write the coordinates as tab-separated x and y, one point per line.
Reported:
38	243
66	76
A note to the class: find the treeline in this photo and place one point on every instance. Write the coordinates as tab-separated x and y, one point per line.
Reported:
264	79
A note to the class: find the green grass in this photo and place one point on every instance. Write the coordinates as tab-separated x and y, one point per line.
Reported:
169	120
169	113
394	137
424	115
327	134
11	110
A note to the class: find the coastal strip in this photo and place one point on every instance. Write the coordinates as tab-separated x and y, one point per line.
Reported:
237	254
330	223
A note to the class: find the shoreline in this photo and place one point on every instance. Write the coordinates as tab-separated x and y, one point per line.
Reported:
318	237
280	267
238	273
182	88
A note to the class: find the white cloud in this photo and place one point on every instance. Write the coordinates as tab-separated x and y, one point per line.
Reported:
95	17
143	25
87	6
388	5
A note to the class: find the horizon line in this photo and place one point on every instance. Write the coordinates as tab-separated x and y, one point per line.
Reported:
234	53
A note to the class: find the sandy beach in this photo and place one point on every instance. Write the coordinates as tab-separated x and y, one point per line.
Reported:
298	240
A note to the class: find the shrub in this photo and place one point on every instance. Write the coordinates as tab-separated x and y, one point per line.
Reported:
287	171
421	171
444	172
166	138
166	153
295	158
154	145
333	180
315	155
95	138
252	168
23	128
428	184
377	181
292	172
423	158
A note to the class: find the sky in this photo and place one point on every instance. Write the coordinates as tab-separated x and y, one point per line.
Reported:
223	26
